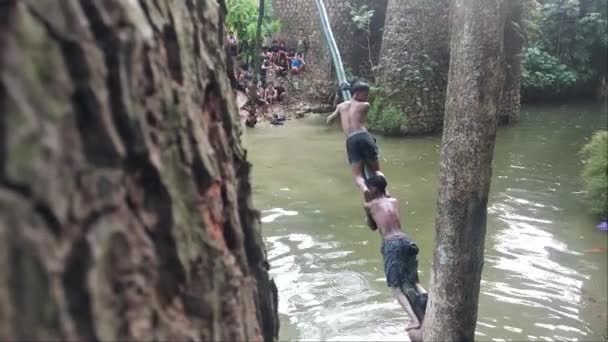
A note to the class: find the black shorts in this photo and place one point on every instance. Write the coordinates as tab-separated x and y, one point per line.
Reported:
361	146
400	256
400	262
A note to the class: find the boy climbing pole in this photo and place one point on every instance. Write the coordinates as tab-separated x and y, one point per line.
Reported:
360	144
399	254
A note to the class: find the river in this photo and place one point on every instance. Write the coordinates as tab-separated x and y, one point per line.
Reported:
540	281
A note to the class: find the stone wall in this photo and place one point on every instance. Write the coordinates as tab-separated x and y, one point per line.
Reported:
411	47
414	62
302	14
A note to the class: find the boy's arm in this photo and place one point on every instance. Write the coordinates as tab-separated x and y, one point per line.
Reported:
334	115
370	220
366	109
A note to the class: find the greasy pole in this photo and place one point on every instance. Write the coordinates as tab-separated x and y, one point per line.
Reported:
333	48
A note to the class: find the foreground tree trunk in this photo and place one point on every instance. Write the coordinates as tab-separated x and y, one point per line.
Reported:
473	95
125	207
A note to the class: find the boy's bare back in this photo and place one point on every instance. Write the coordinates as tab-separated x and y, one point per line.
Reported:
353	115
385	213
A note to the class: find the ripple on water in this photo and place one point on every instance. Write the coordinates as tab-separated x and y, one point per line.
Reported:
323	298
530	260
275	213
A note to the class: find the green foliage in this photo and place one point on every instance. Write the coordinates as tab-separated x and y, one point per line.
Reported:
383	117
568	35
242	19
418	74
595	173
544	72
362	17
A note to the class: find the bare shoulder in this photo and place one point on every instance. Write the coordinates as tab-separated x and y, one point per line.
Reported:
370	204
343	106
363	106
393	200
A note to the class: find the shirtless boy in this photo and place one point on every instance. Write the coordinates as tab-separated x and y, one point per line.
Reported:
360	144
399	254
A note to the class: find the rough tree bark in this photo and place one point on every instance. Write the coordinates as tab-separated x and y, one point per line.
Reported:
473	96
510	103
258	40
125	207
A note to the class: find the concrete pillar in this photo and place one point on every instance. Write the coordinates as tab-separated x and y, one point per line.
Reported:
414	61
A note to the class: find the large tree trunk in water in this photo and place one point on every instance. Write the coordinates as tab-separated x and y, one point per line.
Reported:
125	207
473	95
510	102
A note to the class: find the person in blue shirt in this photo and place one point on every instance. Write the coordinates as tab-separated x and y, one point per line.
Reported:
297	64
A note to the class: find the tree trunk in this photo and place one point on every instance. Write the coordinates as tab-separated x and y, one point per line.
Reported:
258	40
473	95
125	202
510	103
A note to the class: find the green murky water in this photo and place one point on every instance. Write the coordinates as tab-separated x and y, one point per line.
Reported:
538	281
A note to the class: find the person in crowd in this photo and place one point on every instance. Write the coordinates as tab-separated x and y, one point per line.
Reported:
274	47
297	64
232	46
274	51
282	64
264	67
281	93
302	44
282	46
271	93
261	101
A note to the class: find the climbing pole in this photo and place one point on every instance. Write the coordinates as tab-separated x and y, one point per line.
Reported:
333	48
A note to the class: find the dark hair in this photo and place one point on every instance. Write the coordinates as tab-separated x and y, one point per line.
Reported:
274	41
359	86
378	182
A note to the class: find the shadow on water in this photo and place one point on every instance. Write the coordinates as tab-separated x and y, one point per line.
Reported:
538	282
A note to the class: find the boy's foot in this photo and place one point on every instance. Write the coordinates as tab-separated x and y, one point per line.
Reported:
415	335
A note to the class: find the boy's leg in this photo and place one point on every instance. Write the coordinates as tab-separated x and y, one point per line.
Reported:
357	168
402	299
420	289
356	161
